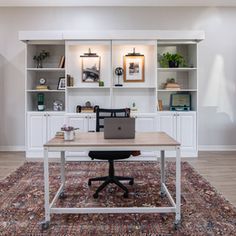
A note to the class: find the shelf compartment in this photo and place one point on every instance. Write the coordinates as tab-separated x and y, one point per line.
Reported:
49	98
188	51
145	99
74	62
45	91
133	87
46	69
164	96
147	48
81	96
51	62
52	78
181	69
186	79
77	87
176	90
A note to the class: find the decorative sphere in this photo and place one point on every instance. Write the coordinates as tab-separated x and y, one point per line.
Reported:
119	71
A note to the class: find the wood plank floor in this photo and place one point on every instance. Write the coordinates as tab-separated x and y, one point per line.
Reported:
219	168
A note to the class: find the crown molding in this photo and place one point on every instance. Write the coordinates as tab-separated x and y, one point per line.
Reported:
111	3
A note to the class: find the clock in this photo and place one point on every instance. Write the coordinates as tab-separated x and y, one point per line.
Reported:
42	81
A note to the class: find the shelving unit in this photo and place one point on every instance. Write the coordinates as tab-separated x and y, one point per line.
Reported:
111	47
186	77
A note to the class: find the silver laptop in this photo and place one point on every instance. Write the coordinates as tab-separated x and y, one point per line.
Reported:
119	128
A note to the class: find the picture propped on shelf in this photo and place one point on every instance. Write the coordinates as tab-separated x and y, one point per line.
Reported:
134	67
61	83
90	67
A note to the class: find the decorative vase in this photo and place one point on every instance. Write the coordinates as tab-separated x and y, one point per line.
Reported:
39	64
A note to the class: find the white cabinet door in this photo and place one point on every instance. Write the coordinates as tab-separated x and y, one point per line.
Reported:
145	123
37	134
54	124
167	123
91	124
186	130
78	122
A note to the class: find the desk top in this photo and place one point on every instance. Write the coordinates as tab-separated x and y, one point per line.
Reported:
97	140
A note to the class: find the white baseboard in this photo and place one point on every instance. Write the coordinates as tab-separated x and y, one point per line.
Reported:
12	148
217	147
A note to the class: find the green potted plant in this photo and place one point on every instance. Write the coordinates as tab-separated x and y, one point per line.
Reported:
40	57
172	60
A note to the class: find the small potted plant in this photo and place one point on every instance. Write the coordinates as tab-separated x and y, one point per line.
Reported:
172	60
40	57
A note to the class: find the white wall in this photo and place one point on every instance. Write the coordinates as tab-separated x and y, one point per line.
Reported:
217	66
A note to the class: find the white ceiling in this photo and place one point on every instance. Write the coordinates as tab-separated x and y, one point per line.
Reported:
64	3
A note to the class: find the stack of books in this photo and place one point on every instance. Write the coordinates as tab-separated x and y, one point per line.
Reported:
172	86
59	134
70	81
42	87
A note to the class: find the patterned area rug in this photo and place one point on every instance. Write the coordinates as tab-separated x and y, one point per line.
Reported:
204	211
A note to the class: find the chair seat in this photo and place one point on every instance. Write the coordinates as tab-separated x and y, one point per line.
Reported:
112	155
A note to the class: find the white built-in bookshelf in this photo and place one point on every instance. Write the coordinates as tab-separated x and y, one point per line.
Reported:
111	49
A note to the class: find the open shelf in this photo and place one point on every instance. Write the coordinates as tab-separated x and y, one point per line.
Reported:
177	69
45	69
45	91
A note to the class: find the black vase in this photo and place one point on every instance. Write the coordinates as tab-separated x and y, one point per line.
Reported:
173	64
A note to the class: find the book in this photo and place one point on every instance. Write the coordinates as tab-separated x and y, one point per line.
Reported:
160	105
41	87
62	62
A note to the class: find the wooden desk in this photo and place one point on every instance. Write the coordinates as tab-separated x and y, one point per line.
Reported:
154	141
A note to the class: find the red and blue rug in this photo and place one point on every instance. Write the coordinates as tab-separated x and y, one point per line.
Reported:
204	211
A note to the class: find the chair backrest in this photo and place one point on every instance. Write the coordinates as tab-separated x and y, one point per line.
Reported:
106	113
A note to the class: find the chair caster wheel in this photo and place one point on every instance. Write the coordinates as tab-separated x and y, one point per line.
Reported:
126	195
89	183
162	194
177	224
131	182
95	195
62	195
45	225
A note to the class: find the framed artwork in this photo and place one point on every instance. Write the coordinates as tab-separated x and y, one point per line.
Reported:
134	68
61	83
91	69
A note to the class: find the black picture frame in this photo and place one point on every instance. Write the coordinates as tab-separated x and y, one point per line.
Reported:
61	83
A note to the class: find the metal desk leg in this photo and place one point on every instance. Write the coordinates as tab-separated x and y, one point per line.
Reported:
45	224
178	187
62	194
162	173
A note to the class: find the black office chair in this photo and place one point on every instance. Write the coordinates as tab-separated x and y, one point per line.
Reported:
110	155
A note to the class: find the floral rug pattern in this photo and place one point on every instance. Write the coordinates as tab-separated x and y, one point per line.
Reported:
204	211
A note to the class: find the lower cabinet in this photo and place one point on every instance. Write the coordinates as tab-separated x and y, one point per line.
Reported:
85	123
41	127
182	127
145	122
